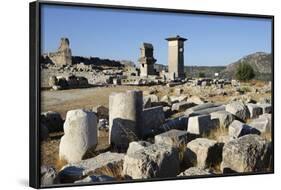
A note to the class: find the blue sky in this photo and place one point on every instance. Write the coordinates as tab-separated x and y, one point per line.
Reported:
118	34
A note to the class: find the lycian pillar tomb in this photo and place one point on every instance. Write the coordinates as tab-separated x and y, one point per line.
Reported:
175	57
146	60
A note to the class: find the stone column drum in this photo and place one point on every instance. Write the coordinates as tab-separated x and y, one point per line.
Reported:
125	112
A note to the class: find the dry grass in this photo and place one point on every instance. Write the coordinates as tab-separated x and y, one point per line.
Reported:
216	133
267	136
258	83
113	170
59	163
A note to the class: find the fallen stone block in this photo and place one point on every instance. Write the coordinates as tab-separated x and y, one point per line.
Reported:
200	125
225	118
181	106
96	179
250	153
238	109
194	171
52	120
155	161
176	138
262	124
255	110
80	135
203	153
179	123
189	111
238	129
76	171
49	176
137	145
152	119
266	108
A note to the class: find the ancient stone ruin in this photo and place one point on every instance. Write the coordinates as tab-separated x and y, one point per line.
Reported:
63	55
146	60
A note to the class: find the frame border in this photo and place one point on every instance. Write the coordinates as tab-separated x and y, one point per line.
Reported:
35	86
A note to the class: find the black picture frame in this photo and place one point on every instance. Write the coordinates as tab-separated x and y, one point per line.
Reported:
34	88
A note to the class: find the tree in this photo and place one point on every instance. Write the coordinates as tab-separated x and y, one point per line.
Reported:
201	75
244	72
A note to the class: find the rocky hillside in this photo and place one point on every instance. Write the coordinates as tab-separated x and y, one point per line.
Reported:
260	61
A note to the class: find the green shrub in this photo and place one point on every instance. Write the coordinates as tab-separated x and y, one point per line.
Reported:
201	75
244	72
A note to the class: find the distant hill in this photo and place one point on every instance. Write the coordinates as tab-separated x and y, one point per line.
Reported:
260	61
193	71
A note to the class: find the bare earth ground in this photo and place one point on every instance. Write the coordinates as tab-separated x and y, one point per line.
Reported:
64	100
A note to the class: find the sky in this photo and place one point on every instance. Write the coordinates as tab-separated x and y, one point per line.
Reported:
118	34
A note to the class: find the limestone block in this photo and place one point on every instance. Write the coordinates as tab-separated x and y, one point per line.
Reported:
200	125
238	109
176	138
80	135
181	106
238	129
137	145
224	117
194	171
155	161
255	110
203	153
249	153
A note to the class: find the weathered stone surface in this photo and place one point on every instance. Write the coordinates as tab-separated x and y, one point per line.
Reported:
137	145
101	112
152	119
175	99
238	109
80	135
178	91
224	117
238	129
179	123
249	153
203	153
181	106
225	138
266	108
52	120
166	99
53	81
44	132
263	124
125	118
48	176
255	110
208	110
167	111
77	171
194	171
96	179
70	174
204	106
200	125
176	138
151	97
196	100
152	161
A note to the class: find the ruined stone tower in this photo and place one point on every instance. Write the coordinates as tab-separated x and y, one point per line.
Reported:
175	57
146	60
63	55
